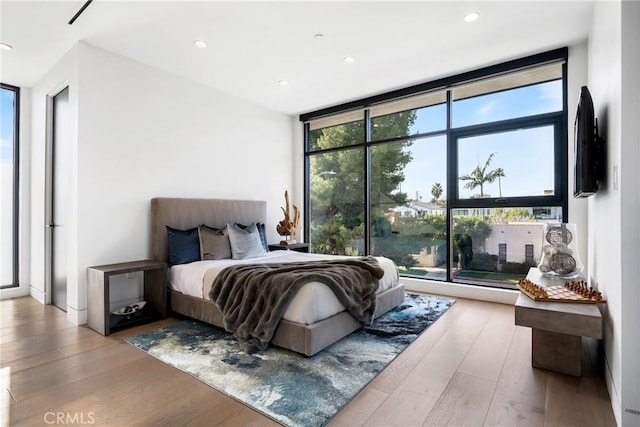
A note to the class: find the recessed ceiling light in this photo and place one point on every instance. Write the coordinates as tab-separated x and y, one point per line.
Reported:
283	82
5	46
470	17
200	43
318	36
349	59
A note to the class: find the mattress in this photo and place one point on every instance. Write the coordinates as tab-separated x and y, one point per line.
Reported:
314	302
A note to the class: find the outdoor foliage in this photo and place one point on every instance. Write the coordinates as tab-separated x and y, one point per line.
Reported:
516	267
505	216
436	192
410	234
337	200
479	176
476	227
484	262
332	237
337	190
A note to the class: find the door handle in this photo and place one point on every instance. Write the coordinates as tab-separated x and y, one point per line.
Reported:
52	225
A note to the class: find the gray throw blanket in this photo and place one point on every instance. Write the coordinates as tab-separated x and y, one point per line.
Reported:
254	297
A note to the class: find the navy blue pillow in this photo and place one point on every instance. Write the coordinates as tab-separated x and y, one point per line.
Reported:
262	231
184	245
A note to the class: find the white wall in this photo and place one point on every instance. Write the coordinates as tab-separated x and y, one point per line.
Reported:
614	211
516	236
578	212
141	133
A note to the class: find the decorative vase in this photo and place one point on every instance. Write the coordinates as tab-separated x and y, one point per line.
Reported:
560	256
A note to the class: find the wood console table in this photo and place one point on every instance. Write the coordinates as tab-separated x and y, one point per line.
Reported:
557	328
98	290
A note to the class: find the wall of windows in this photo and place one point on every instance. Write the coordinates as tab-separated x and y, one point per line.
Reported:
9	108
451	179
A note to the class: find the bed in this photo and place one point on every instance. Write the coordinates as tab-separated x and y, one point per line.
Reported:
301	331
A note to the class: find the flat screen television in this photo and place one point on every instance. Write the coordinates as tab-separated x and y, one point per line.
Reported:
587	147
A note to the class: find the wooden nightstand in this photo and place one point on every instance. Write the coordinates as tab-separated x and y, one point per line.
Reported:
155	295
298	247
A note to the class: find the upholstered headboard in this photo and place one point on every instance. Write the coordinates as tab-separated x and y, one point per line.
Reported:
183	213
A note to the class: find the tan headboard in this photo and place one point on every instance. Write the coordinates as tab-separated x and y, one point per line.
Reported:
185	213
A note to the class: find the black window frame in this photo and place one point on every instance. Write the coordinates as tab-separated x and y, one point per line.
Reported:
560	191
556	119
16	185
502	253
529	252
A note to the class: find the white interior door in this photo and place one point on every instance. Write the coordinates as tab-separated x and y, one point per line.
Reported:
58	197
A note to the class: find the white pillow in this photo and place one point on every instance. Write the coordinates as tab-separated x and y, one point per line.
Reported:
245	243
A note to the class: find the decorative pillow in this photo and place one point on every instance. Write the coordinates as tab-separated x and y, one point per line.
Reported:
184	245
214	243
245	243
263	234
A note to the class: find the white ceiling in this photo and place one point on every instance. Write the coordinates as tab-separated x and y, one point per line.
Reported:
253	45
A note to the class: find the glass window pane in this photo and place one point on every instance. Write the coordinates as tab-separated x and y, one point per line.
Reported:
507	104
500	141
408	206
336	196
507	164
525	77
502	253
497	246
336	135
528	253
7	175
410	122
410	116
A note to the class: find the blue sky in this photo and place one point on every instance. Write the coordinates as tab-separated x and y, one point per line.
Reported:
6	125
525	155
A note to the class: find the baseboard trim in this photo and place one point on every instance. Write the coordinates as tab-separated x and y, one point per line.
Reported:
77	317
38	295
614	398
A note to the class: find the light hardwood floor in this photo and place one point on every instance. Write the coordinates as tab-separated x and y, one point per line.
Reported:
470	368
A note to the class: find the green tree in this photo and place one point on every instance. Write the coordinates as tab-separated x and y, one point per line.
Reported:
479	176
337	200
499	173
436	192
332	237
411	234
469	234
504	216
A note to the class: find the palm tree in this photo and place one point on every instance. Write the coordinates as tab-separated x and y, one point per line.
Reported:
479	176
500	174
436	191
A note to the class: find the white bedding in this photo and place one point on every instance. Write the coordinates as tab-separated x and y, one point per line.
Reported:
314	302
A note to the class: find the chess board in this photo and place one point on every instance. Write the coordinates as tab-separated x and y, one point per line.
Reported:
578	292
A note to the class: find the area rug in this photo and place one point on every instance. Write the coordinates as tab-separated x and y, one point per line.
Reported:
290	388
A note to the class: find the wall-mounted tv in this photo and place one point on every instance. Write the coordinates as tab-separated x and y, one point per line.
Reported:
587	148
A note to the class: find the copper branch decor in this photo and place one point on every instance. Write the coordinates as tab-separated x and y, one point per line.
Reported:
287	227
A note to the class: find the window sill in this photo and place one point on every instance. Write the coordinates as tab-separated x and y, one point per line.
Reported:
502	296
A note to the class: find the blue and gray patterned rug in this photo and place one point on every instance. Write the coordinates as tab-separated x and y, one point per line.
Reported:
290	388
